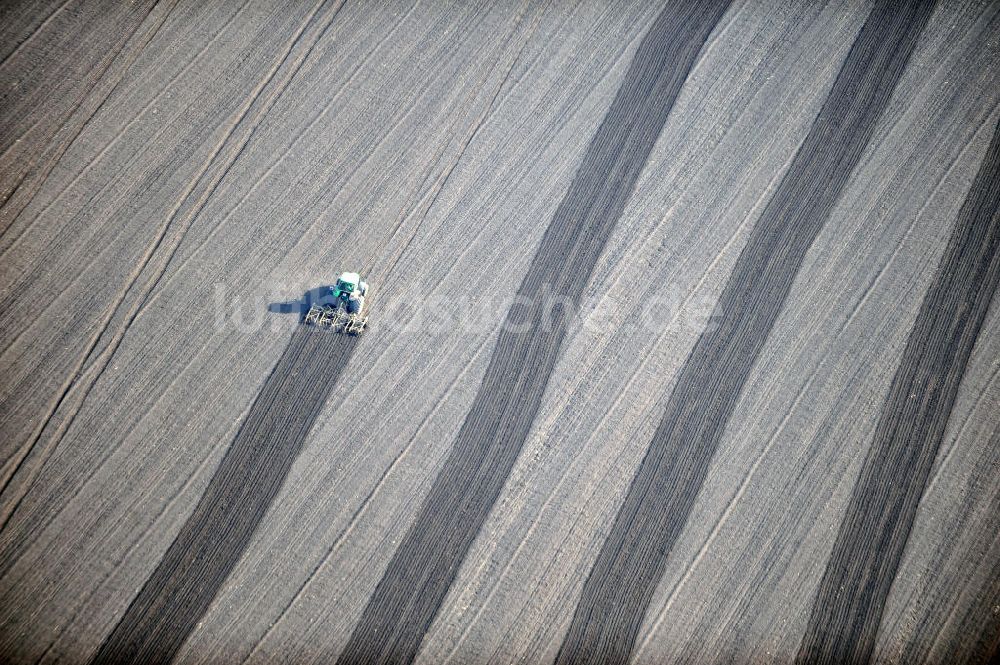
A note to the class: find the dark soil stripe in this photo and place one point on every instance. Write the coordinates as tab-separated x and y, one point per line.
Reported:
631	562
423	567
252	471
866	555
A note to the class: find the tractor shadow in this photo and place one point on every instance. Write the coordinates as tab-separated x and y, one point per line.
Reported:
321	295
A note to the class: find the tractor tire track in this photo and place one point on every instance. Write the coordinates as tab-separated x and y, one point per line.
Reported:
106	84
14	45
24	538
423	567
866	554
10	237
662	493
25	172
184	212
250	475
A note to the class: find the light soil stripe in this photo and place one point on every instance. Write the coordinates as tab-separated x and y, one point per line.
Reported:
631	562
423	568
866	555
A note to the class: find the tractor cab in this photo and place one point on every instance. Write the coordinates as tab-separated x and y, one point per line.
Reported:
346	284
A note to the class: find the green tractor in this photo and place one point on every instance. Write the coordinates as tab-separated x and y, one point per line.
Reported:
343	308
